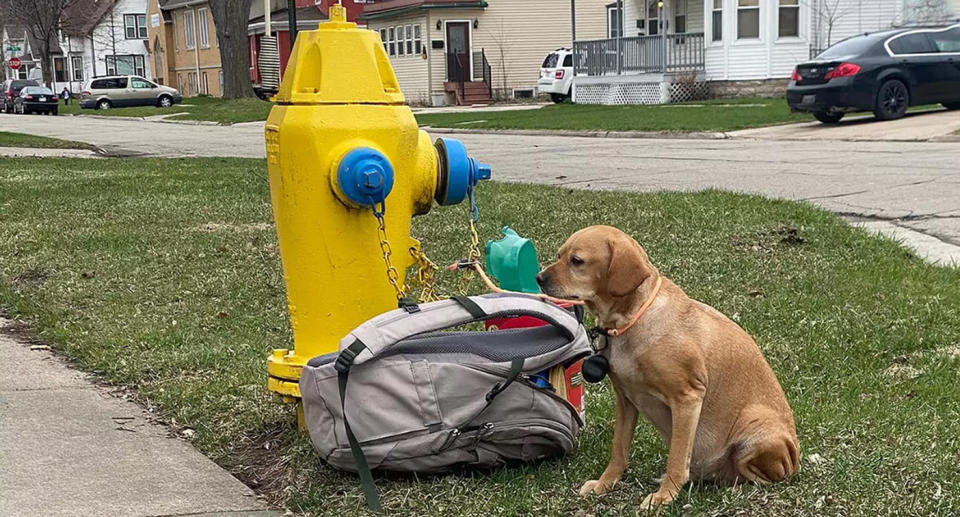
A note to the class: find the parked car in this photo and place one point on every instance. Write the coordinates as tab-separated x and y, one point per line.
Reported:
11	88
884	72
126	90
35	99
556	75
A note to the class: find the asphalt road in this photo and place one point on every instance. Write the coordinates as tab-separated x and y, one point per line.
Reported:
914	184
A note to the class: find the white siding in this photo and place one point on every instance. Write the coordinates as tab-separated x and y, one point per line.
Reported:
516	35
411	70
765	57
851	17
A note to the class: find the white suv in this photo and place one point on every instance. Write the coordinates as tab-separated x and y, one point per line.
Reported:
556	74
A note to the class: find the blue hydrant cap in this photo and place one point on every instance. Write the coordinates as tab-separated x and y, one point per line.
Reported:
365	176
458	171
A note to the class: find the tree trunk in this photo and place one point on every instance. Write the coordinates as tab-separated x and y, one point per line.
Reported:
230	18
46	63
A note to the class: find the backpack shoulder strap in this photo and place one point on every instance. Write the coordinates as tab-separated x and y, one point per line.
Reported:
383	331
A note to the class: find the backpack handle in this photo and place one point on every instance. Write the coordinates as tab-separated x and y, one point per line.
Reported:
384	331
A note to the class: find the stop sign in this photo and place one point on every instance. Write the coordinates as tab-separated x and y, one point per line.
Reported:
15	63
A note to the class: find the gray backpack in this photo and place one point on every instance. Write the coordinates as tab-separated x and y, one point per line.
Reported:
402	395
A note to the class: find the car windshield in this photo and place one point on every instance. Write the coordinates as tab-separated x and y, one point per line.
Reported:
855	46
551	61
38	90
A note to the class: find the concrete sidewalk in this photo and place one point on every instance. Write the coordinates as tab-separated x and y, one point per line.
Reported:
70	448
923	126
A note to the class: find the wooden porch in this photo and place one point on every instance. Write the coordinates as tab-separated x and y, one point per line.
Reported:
662	53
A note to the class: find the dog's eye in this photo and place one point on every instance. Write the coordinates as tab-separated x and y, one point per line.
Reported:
575	260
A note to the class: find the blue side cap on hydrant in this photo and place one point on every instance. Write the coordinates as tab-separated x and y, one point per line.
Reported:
458	173
365	176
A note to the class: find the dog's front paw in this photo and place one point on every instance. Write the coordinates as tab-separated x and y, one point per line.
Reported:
594	486
655	500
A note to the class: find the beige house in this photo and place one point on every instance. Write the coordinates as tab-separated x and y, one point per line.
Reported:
183	45
496	46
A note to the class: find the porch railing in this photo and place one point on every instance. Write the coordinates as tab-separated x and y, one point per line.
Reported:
640	54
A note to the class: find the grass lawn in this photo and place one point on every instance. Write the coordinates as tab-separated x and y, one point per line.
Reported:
226	111
712	115
8	139
163	275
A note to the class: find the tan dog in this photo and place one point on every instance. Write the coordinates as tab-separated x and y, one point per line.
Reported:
691	371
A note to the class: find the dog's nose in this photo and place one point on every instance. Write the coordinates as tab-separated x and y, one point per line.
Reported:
542	279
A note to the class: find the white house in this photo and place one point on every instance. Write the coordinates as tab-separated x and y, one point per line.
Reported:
97	37
673	50
17	43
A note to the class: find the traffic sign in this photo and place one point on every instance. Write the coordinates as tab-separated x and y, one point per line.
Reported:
15	63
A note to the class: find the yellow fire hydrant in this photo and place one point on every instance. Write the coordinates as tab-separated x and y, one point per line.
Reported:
345	155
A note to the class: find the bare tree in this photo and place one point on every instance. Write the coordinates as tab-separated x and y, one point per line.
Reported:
828	13
41	18
927	12
231	18
502	43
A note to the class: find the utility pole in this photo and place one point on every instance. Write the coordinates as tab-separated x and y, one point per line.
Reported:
292	14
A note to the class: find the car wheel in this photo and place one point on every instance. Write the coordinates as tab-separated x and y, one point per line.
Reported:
104	105
557	98
828	117
893	99
952	105
55	112
165	101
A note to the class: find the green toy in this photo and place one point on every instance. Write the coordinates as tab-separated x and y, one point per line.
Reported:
512	260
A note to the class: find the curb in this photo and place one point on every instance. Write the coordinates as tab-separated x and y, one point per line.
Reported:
156	118
696	135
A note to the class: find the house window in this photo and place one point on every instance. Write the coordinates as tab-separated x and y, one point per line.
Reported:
653	19
748	19
205	84
400	43
409	32
202	28
125	65
680	17
221	81
613	21
417	42
77	63
789	18
60	69
383	39
188	35
717	20
180	82
176	32
392	42
135	26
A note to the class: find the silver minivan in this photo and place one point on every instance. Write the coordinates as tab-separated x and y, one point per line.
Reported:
126	90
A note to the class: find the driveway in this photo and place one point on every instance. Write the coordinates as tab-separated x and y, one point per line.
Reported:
935	125
913	185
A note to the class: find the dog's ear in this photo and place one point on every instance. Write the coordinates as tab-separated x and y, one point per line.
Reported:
628	268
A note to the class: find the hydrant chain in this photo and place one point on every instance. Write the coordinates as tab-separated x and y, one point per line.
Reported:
392	275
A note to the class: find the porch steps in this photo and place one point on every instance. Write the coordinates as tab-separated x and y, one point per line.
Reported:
474	92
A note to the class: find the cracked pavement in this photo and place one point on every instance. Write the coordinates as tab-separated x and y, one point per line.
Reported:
914	185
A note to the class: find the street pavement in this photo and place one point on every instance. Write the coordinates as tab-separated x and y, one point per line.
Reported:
914	185
71	448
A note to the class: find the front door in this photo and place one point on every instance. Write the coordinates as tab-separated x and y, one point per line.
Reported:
458	51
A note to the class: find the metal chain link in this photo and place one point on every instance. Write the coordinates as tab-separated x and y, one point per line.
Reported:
393	276
473	254
426	275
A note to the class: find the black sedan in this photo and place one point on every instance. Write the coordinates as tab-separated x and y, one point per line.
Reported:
884	72
35	99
